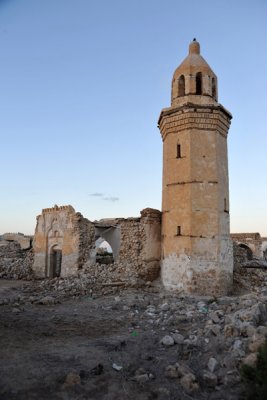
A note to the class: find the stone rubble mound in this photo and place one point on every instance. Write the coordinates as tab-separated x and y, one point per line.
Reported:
15	263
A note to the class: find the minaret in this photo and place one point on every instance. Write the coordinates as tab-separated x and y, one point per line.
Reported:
197	254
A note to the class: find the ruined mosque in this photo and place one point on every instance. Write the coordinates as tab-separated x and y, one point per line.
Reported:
187	245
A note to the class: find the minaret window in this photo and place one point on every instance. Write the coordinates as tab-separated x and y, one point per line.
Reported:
179	231
199	83
225	206
181	86
178	151
213	88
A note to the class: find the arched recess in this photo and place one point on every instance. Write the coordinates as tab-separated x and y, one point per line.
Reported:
181	86
54	251
199	83
248	250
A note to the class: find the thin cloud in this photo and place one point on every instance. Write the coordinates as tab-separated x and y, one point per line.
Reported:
97	194
113	199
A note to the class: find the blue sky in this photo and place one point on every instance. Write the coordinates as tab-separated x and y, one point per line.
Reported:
82	84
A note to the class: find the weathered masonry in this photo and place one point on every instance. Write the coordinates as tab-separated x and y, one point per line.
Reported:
61	242
66	242
197	253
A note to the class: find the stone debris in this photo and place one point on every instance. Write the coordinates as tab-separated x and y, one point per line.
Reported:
167	341
15	263
197	343
212	364
194	349
72	379
189	383
116	367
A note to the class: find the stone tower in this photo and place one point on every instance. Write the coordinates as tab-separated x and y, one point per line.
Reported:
197	251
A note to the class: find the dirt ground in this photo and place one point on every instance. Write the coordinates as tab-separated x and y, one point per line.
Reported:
75	349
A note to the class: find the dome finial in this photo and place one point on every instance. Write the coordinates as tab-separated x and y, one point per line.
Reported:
194	47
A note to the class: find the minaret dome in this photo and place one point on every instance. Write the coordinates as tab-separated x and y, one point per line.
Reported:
194	77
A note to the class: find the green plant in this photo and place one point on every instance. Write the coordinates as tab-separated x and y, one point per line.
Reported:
255	378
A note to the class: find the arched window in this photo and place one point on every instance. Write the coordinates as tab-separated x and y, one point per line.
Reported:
199	83
213	88
181	86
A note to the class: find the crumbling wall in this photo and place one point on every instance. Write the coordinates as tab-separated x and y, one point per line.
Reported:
61	231
252	240
24	241
138	257
86	240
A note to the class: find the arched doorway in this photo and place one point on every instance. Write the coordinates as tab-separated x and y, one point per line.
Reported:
249	252
55	262
104	252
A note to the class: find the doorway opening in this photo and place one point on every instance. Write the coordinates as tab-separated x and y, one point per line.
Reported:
104	252
55	262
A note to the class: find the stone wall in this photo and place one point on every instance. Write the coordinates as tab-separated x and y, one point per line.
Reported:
141	244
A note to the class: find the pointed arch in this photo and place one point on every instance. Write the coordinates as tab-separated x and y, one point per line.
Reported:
181	86
199	83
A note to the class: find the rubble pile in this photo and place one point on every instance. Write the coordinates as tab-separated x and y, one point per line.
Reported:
15	263
196	344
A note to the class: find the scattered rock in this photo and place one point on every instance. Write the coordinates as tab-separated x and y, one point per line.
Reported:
171	371
117	367
72	379
189	383
178	338
167	340
210	379
47	300
212	364
251	359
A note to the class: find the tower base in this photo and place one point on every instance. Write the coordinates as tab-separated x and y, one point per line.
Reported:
197	275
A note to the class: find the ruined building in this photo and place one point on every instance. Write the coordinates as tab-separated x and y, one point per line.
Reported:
65	242
196	245
190	239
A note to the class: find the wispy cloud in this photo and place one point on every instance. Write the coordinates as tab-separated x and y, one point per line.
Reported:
113	199
97	194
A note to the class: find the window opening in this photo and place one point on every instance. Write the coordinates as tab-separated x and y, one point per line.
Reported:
225	205
199	83
178	230
213	88
181	86
178	151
